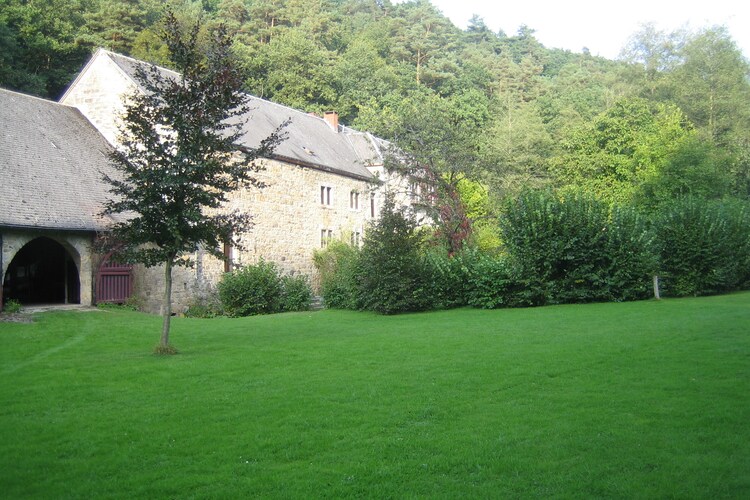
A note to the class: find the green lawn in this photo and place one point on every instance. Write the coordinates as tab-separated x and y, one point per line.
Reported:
646	399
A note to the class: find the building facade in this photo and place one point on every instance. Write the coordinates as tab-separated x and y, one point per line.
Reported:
325	181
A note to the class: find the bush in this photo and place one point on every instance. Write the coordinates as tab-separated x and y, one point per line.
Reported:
494	283
631	256
251	290
257	289
337	265
205	307
573	249
449	278
296	293
704	246
391	275
12	306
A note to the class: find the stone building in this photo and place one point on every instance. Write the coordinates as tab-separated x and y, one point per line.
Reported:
324	181
50	194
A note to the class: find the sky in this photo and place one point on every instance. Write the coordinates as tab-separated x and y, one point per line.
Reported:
602	27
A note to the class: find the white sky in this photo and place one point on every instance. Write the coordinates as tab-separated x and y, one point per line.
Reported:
604	27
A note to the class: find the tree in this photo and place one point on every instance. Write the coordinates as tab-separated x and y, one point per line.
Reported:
179	157
39	47
622	149
391	276
116	24
436	148
422	34
712	87
653	54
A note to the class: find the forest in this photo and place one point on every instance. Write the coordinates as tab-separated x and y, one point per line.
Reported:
485	114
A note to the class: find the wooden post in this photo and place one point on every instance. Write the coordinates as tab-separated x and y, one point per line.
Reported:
657	294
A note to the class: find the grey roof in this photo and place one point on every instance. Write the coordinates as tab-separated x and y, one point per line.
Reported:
50	163
310	140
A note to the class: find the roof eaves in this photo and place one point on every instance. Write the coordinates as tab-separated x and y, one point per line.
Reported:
318	166
25	227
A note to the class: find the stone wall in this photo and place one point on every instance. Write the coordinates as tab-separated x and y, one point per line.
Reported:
98	92
291	220
290	217
289	224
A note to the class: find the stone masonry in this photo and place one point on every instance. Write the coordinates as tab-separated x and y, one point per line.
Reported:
300	209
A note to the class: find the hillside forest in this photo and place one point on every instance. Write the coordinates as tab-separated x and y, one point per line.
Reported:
486	114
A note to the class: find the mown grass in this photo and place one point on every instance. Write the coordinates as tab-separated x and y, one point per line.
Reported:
646	399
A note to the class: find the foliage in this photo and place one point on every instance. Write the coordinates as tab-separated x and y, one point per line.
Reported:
40	50
177	158
296	293
250	290
449	277
132	303
711	85
529	109
261	289
481	212
704	246
571	249
391	275
622	149
473	278
12	306
208	306
337	265
495	283
435	149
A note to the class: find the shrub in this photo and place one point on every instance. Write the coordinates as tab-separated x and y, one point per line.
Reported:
12	306
296	293
337	265
703	246
493	284
573	249
631	256
208	306
391	275
451	277
251	290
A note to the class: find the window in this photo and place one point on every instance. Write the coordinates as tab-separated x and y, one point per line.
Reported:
325	195
356	238
326	235
354	200
372	206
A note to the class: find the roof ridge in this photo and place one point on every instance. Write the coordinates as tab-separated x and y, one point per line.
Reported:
252	96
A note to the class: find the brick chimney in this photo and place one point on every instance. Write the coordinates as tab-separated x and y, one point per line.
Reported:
332	119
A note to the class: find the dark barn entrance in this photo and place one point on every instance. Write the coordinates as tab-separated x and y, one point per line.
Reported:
42	272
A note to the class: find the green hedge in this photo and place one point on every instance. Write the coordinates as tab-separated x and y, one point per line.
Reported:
577	249
558	249
704	246
260	289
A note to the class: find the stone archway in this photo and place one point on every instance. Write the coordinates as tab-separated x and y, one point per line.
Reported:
43	271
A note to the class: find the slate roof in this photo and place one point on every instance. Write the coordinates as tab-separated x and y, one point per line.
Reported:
50	159
310	140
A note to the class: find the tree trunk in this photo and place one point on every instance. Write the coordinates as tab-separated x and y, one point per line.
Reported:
167	306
